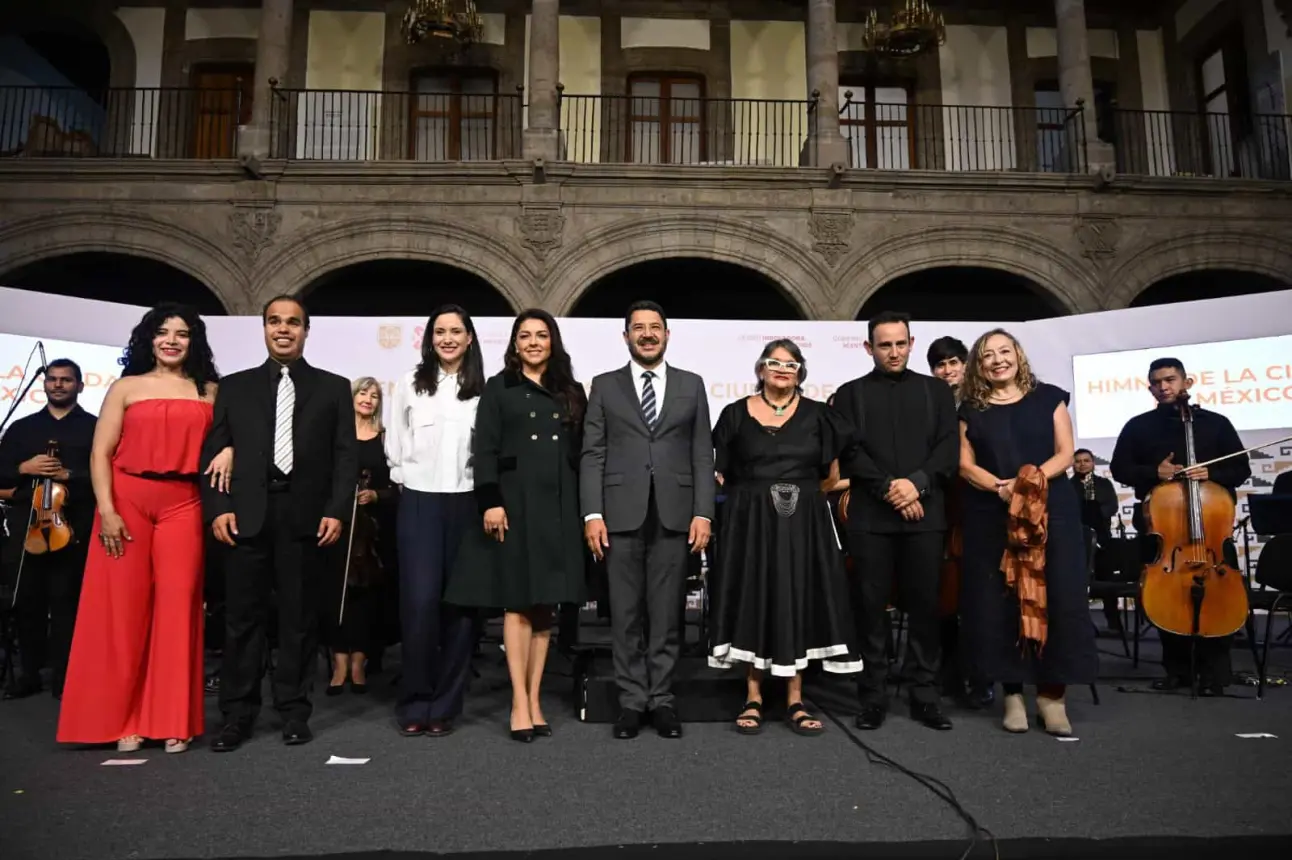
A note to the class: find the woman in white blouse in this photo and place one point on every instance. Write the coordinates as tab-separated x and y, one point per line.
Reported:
428	444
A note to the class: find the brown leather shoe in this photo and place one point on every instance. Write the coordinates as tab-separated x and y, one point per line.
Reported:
439	728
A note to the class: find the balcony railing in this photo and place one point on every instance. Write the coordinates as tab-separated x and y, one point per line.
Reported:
121	122
356	125
962	138
1177	143
694	131
348	126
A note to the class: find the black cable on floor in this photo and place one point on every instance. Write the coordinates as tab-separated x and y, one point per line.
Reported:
939	789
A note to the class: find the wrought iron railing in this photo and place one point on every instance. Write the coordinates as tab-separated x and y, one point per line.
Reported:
1222	145
630	129
962	137
357	125
121	122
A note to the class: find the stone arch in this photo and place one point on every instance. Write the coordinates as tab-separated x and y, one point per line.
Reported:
1243	251
729	240
1033	257
73	231
467	246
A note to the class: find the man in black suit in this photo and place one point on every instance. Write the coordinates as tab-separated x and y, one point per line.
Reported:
295	468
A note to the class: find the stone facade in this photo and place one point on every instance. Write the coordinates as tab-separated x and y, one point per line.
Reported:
830	239
542	231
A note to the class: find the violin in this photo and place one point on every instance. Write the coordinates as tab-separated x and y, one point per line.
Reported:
48	530
364	564
1189	588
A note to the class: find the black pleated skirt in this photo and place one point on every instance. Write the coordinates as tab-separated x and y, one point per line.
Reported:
779	594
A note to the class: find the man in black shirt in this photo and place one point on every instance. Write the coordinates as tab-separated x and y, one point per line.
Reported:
51	582
900	467
1150	451
1098	506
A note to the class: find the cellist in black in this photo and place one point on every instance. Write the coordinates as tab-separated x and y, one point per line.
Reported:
1151	450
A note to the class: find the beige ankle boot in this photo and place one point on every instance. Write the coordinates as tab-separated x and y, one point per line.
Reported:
1054	716
1015	713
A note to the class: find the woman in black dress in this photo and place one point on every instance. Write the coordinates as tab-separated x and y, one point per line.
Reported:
361	633
1009	419
529	555
780	597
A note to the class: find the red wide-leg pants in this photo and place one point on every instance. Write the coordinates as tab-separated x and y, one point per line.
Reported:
136	662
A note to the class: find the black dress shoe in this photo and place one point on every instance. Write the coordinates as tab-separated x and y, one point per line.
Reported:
24	687
930	715
525	736
542	730
871	717
230	738
628	724
666	722
297	732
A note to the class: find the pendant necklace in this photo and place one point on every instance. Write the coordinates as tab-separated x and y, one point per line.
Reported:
779	410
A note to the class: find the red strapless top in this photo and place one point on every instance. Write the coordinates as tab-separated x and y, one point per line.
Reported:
162	437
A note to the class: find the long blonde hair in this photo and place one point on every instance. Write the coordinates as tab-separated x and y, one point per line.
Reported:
976	388
365	382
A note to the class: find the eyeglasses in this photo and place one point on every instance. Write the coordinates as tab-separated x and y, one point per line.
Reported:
777	364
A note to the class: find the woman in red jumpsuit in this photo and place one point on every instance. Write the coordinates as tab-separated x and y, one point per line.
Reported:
136	665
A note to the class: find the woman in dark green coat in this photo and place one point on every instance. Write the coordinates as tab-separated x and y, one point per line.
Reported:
529	554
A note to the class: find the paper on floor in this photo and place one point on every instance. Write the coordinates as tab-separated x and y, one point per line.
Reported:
124	762
1067	740
1256	735
336	759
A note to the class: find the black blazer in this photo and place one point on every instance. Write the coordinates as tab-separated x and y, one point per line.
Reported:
325	447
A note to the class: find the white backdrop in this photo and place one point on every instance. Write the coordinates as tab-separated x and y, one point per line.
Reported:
723	352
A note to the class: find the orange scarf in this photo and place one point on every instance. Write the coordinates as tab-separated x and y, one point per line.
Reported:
1024	560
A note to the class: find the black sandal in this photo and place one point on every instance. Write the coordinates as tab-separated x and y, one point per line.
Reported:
756	718
804	716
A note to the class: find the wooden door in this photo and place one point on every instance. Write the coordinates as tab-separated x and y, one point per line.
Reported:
223	93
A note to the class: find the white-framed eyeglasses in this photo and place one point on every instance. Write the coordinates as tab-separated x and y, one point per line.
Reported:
777	364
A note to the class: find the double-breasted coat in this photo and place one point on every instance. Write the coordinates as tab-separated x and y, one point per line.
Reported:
525	457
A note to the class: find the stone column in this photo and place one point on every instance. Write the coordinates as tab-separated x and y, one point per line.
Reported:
826	146
543	131
273	58
1076	83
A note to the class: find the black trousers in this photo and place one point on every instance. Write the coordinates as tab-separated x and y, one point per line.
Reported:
646	570
438	638
45	614
276	566
912	560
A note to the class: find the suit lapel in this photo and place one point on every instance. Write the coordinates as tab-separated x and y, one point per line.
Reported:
670	394
268	391
305	378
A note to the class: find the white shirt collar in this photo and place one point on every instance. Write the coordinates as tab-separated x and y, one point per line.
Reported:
638	370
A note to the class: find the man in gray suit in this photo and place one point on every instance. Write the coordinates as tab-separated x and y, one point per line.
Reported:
647	487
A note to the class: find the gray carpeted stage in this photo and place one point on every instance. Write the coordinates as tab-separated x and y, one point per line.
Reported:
1146	765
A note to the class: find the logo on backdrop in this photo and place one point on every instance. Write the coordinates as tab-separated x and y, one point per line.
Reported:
389	336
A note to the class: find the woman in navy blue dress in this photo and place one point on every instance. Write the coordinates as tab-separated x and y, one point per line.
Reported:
1008	420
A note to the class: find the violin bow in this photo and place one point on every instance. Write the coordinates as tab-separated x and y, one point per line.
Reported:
349	548
22	559
1235	454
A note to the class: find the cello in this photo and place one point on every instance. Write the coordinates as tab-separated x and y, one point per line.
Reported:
1189	588
48	530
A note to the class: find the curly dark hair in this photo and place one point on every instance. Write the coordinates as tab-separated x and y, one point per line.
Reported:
559	376
199	365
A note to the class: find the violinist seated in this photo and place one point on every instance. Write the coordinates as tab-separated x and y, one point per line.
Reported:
1151	450
51	571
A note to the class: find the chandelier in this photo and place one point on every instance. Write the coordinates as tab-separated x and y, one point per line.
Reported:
914	28
445	19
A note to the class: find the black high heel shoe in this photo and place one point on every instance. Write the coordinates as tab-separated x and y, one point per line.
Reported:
525	736
336	689
542	730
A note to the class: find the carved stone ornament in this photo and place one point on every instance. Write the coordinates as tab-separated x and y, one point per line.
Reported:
1098	235
831	234
254	228
541	229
